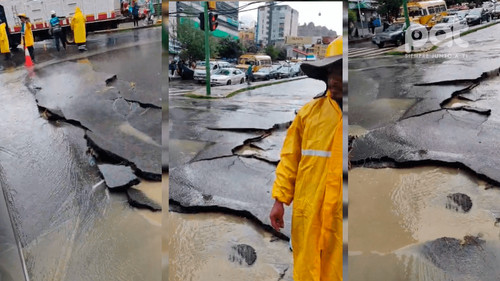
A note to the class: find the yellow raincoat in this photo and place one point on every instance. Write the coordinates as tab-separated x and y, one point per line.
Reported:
78	26
28	35
310	175
4	40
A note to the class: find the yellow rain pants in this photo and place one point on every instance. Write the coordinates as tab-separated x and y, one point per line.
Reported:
310	175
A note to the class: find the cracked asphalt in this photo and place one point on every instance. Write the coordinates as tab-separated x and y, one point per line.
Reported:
65	121
438	110
223	155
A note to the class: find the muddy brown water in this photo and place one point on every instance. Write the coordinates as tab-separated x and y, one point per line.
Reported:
200	248
392	211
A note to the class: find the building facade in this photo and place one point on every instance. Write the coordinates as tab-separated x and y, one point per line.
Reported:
274	22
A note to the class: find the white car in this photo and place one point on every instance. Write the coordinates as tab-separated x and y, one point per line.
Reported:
227	76
200	71
450	23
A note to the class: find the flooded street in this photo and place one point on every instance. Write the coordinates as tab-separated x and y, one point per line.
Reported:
204	249
71	225
425	164
410	208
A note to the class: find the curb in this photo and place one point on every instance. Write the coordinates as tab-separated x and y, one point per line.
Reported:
124	29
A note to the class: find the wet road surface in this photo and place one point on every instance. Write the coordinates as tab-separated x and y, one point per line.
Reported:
417	112
62	121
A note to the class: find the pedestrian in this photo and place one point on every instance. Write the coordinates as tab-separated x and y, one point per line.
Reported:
180	66
371	26
135	13
310	174
55	26
4	40
78	27
250	73
27	35
171	67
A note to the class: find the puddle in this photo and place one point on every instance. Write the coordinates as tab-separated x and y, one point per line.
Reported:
200	247
357	131
153	190
380	112
456	102
392	210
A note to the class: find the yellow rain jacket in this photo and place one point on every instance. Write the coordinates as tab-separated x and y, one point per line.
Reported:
78	26
310	175
28	35
4	40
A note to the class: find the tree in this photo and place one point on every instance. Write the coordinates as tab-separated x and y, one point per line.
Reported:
272	52
389	7
352	16
192	41
229	48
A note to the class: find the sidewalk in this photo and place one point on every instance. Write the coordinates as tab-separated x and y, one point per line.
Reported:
228	91
364	35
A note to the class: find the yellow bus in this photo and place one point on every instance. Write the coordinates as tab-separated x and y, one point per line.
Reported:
258	61
426	13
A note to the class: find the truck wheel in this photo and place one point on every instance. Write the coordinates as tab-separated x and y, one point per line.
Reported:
70	38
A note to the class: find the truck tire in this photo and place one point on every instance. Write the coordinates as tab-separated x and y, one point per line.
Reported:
70	38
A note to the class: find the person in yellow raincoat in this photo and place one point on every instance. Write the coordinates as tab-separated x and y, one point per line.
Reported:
78	27
310	175
4	40
27	35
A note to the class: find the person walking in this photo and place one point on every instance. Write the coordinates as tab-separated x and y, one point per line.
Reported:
171	67
57	32
310	174
78	27
250	73
4	40
135	13
27	35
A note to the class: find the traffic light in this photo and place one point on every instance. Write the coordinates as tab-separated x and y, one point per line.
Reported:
211	5
201	17
212	20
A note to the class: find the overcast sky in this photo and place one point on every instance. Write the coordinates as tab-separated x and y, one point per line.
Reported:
309	11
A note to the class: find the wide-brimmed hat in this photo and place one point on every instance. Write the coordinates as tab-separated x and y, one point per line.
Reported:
319	69
23	15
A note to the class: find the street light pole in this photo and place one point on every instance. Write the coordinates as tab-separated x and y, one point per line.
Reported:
361	19
207	50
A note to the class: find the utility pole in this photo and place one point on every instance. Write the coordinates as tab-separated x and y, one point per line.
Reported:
407	21
207	50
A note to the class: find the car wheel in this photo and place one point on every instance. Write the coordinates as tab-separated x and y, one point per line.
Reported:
242	81
380	45
228	82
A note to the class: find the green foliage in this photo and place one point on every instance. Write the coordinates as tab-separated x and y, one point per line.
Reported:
352	16
389	7
229	48
272	52
193	42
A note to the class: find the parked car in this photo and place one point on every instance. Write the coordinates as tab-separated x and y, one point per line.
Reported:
227	76
477	16
462	14
200	71
450	23
265	73
495	14
285	71
295	70
394	34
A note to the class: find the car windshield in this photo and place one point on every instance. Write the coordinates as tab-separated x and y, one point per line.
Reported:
263	70
395	27
223	72
447	19
475	12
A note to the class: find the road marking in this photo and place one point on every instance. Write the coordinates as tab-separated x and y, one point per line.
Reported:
367	52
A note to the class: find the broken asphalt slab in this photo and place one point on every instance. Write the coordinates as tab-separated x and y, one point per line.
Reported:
237	185
118	177
119	128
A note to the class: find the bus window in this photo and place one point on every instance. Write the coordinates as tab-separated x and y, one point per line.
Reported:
431	10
